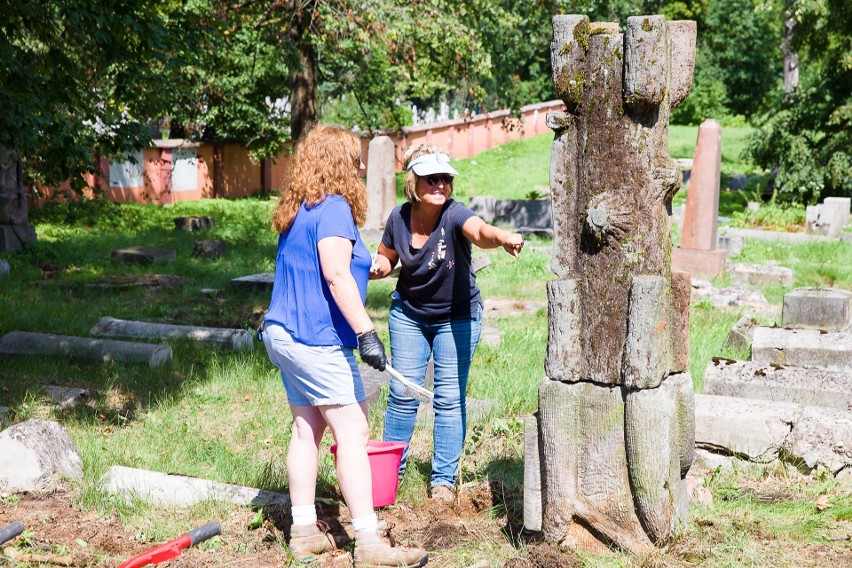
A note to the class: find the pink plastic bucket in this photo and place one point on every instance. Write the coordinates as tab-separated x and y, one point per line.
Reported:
385	458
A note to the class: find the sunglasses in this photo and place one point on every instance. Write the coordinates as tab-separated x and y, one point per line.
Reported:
435	180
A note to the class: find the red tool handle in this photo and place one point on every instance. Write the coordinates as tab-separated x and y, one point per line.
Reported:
173	548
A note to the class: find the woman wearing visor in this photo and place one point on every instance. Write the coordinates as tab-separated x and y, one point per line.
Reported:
436	308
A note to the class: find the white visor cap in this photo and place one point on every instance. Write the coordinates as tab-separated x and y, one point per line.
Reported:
430	164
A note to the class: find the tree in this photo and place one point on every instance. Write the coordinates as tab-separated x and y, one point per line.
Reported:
807	138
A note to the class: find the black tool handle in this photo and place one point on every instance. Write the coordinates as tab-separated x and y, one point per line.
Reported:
203	533
11	531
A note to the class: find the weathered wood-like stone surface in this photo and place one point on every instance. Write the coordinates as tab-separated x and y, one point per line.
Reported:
236	339
616	416
52	345
35	454
181	491
799	385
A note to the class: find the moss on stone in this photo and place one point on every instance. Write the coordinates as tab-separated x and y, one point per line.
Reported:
581	34
646	25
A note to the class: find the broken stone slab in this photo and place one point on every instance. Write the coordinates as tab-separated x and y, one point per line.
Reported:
527	213
181	491
144	255
780	236
480	261
52	345
65	397
254	282
760	274
193	223
817	308
799	385
742	334
831	350
730	297
5	269
227	338
210	248
153	281
34	454
762	431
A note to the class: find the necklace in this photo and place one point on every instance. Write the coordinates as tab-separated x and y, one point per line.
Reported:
420	217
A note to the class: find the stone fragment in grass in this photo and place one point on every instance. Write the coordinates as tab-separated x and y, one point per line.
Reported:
66	396
799	385
144	255
760	274
52	345
181	491
5	270
227	338
35	454
210	248
193	223
261	283
480	261
742	334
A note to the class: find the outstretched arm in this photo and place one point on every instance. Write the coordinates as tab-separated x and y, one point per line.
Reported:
488	236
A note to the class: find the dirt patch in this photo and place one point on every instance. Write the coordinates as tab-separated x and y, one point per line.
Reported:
510	307
545	556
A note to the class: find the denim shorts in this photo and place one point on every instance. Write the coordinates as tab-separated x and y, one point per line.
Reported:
325	375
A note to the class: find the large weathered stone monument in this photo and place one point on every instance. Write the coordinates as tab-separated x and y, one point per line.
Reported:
614	435
381	182
15	231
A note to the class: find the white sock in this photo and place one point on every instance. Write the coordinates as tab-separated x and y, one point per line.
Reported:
306	515
369	523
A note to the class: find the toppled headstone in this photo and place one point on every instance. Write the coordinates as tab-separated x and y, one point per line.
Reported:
64	397
803	348
152	281
193	223
144	255
210	248
817	308
742	334
33	454
760	274
52	345
764	431
254	282
4	268
799	385
181	491
236	339
480	261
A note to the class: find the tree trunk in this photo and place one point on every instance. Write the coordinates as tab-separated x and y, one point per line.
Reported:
303	91
617	410
791	58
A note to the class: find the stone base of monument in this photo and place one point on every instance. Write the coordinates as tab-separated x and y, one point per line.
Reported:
831	350
14	237
706	264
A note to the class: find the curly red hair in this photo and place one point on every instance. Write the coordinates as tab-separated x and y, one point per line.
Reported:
326	162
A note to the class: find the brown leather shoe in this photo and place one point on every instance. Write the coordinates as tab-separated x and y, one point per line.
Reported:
375	549
307	541
444	494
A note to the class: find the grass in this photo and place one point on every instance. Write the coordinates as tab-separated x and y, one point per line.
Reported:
223	415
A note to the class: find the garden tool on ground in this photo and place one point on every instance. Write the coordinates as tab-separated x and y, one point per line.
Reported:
173	548
11	531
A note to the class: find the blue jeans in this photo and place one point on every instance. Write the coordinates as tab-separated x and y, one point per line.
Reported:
451	344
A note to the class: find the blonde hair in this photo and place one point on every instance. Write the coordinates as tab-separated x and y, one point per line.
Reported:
326	162
409	183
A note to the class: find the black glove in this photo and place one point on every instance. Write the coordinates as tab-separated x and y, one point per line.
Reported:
372	350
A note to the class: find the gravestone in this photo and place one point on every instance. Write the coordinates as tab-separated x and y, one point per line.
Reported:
817	308
15	230
760	274
828	218
33	454
816	348
52	345
698	252
65	397
144	255
209	248
193	223
227	338
615	425
381	182
742	334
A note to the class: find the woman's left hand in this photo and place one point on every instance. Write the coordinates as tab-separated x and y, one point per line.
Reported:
514	244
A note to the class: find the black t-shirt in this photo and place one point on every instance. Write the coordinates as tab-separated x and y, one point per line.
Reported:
436	281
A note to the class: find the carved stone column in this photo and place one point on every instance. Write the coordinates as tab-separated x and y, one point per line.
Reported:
616	414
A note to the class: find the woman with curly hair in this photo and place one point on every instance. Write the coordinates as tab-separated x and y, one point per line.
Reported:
314	321
436	310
